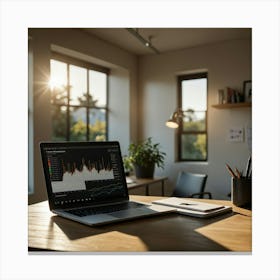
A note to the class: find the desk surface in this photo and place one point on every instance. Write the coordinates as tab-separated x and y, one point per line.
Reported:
169	232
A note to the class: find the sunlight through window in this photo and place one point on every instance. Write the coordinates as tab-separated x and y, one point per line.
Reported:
79	100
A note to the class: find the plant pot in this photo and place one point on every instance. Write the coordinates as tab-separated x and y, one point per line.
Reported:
144	171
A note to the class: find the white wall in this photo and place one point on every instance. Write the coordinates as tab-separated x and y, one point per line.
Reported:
122	87
119	105
228	64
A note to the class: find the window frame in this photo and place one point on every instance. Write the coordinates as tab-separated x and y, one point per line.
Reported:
180	131
88	66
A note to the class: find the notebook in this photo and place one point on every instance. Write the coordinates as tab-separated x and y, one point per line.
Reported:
193	207
86	183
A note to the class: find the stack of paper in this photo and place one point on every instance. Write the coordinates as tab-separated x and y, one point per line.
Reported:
194	208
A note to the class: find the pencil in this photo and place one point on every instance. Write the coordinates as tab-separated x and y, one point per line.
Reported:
238	173
230	171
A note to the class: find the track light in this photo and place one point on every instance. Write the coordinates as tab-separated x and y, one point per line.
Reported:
145	42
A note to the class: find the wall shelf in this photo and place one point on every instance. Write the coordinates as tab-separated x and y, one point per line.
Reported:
233	105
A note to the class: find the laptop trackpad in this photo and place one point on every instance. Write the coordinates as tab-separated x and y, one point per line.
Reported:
132	212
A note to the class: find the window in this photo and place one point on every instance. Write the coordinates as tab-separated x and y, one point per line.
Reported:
79	100
192	132
30	119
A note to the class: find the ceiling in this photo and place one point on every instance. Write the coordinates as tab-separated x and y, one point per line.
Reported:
167	39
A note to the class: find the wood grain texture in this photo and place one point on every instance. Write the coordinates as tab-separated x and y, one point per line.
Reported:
169	232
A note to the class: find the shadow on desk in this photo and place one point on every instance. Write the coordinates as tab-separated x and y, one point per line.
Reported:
152	233
169	233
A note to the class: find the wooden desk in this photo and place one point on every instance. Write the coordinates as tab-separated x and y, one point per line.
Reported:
146	183
169	232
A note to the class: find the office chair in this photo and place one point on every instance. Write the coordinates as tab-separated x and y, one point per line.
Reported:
191	185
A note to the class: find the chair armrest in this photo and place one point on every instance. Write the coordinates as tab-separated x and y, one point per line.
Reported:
201	194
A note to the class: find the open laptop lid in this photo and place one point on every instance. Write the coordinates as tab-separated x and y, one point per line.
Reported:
81	174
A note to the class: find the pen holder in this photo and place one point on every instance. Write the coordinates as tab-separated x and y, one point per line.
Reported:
241	191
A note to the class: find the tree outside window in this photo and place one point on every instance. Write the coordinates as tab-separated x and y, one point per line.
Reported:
79	100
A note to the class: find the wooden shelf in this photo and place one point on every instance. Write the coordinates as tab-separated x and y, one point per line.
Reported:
233	105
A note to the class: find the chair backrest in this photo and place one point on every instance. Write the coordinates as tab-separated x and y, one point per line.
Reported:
189	183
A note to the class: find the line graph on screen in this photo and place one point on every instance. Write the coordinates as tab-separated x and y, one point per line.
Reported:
69	174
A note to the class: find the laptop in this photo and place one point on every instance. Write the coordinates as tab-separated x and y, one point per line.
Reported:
86	183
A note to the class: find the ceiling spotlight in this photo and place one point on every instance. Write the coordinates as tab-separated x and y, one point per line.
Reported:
145	42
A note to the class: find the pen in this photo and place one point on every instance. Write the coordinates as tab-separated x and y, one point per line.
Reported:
248	167
230	171
250	173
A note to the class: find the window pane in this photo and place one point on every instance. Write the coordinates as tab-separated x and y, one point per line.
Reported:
58	82
59	122
78	85
193	146
194	121
194	94
79	89
30	120
97	120
98	88
78	124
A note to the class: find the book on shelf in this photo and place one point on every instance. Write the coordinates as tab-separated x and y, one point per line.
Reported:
230	96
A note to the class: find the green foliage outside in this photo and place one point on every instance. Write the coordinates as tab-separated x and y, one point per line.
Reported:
194	125
194	145
78	129
97	131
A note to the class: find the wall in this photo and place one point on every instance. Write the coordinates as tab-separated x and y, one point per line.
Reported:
119	104
228	64
122	87
143	94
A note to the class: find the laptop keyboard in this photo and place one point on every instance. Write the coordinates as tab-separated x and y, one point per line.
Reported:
104	209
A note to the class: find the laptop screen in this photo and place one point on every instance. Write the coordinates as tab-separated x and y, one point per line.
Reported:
83	173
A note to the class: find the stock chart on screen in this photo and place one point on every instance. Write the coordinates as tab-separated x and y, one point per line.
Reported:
94	172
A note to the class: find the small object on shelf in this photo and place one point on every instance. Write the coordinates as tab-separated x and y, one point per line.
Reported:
233	96
221	96
229	95
247	90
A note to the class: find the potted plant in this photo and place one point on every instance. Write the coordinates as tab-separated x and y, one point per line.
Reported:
144	156
127	164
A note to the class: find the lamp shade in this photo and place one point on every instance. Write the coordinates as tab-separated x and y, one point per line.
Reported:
171	124
173	121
